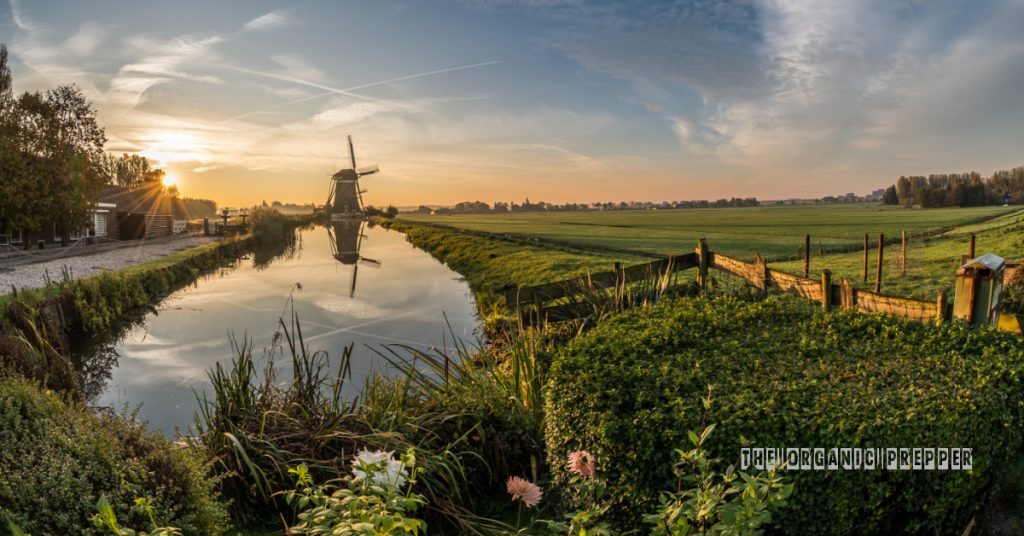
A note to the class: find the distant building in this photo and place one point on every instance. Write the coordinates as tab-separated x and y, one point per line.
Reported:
145	212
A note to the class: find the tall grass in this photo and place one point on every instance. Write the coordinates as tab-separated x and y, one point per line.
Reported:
595	301
256	425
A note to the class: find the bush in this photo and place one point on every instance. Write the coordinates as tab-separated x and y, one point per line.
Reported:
57	459
788	375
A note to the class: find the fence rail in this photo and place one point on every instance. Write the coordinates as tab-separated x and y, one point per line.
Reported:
532	301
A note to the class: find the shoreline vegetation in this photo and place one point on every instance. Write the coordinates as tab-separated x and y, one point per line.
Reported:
567	428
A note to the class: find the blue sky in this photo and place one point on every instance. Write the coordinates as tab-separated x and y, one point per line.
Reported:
561	100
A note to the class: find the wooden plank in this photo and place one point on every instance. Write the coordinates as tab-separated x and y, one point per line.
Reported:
895	305
803	287
734	266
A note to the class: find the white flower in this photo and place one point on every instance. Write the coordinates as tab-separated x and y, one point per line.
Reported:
380	467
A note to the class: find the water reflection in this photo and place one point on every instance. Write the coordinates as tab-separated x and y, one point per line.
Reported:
346	238
159	359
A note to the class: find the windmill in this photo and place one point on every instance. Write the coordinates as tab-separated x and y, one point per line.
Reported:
345	198
346	238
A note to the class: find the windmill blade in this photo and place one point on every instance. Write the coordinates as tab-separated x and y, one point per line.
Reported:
371	263
368	170
352	289
330	196
352	151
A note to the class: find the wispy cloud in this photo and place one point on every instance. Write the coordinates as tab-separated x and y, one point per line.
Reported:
274	19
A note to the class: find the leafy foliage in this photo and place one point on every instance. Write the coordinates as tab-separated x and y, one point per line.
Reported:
364	504
734	503
789	375
59	459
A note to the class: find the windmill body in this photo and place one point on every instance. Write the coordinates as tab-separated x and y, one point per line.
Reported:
345	198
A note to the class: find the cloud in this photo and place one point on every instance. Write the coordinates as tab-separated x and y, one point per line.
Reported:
267	21
161	61
294	66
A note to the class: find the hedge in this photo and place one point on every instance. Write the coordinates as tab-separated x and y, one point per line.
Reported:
786	374
57	458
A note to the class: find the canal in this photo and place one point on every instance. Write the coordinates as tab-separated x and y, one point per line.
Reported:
348	283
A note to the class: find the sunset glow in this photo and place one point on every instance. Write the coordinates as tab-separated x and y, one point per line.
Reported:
170	179
565	101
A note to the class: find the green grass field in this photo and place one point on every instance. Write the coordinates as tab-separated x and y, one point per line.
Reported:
931	263
775	232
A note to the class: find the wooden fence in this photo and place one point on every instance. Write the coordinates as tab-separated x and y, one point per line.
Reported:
539	302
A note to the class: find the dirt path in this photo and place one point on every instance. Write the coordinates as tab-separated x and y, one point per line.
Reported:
34	274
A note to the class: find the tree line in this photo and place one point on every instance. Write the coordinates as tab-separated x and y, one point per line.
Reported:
958	189
52	162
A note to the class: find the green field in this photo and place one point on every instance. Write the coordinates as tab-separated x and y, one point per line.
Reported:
775	232
931	263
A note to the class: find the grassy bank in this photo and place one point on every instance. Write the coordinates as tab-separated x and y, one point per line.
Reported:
774	232
60	457
491	264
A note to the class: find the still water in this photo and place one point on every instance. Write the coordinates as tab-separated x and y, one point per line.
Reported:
349	284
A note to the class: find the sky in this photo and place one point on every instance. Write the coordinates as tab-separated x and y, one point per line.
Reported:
555	100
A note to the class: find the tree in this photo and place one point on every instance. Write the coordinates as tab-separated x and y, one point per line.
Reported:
890	197
77	147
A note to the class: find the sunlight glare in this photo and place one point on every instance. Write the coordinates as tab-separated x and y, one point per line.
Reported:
169	179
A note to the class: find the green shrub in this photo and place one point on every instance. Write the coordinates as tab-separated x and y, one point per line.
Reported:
788	375
57	459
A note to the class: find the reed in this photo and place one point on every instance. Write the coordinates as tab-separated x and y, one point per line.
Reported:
254	426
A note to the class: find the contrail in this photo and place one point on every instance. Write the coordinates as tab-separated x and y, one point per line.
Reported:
346	91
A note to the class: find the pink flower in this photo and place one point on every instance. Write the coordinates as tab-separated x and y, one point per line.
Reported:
523	490
582	463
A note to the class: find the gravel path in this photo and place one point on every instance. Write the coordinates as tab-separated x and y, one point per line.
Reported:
34	275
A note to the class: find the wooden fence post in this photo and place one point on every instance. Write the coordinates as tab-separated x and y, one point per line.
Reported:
941	313
826	289
807	255
971	254
903	254
760	273
878	269
864	270
702	251
848	295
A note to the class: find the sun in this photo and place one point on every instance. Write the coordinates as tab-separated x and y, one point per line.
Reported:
169	179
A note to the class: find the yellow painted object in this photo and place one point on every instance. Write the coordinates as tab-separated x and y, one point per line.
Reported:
1013	323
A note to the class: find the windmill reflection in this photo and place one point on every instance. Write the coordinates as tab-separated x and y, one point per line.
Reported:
346	238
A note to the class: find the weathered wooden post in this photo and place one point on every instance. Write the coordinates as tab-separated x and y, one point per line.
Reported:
848	295
903	253
826	289
878	269
206	226
702	268
971	254
864	270
760	273
941	312
807	255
